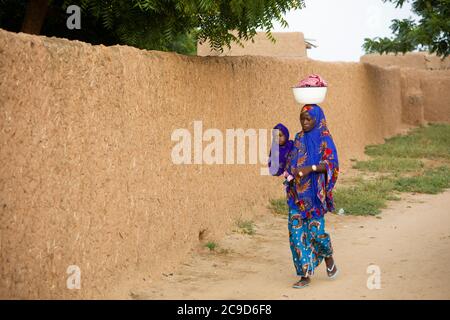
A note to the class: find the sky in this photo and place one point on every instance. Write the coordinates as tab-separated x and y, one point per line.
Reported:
340	26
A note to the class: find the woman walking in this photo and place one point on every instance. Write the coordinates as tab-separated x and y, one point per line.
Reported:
313	162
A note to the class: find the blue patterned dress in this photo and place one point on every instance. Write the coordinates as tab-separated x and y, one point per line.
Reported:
310	197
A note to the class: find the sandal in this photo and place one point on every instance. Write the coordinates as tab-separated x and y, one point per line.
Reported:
302	283
332	276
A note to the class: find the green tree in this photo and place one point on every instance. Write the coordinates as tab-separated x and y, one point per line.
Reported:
430	33
167	25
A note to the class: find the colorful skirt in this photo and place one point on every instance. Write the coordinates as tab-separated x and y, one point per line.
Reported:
309	242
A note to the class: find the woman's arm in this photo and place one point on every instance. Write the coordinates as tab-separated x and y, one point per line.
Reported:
320	168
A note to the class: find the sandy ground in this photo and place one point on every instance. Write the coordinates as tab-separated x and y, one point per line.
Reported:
409	241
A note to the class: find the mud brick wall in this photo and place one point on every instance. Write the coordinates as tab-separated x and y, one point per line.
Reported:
86	176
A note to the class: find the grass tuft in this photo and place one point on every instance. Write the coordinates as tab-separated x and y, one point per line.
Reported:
246	226
211	245
431	181
389	164
365	198
279	206
432	141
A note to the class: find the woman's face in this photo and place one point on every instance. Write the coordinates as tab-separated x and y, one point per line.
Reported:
307	121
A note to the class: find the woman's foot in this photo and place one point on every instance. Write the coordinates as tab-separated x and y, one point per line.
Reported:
331	267
303	282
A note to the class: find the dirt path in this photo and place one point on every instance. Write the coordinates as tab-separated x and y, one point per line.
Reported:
409	241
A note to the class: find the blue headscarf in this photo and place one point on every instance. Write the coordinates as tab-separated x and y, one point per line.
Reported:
312	195
282	152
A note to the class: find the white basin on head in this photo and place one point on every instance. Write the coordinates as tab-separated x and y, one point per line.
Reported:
309	95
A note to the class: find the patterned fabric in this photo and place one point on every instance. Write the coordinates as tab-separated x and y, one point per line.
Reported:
313	80
312	194
309	242
278	154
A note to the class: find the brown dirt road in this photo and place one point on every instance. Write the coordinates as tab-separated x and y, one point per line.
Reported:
409	241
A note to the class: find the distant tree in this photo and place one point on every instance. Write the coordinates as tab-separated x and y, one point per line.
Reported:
430	33
167	25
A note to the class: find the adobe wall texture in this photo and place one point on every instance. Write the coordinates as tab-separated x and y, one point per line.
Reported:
416	60
86	176
425	85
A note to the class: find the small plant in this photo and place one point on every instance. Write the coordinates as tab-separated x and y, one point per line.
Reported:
278	206
246	226
211	245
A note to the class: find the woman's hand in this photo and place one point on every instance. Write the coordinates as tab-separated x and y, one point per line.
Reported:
320	168
304	171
